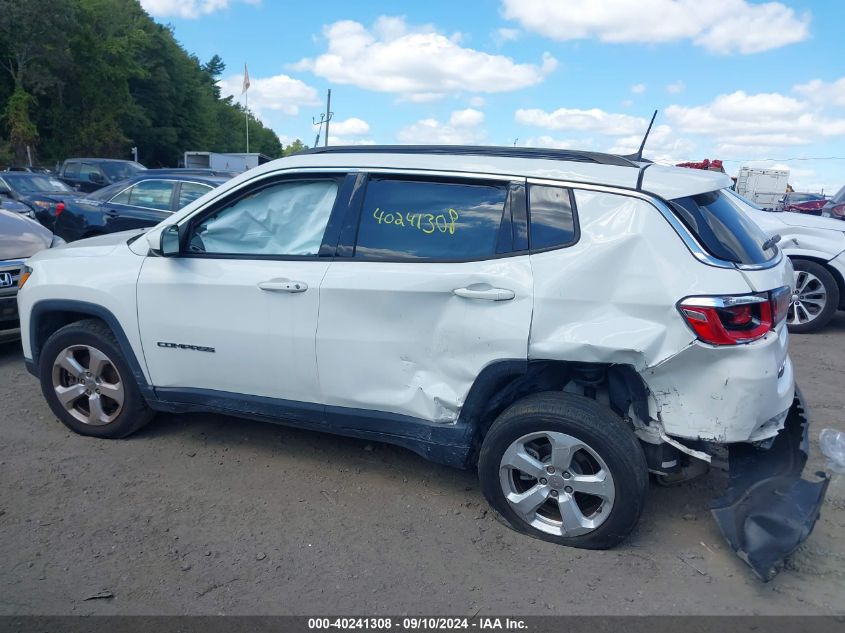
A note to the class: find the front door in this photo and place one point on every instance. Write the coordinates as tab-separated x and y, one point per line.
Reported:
236	311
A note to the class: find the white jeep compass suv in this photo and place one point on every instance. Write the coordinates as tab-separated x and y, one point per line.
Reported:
565	321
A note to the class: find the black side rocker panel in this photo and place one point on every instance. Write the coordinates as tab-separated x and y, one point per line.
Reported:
768	509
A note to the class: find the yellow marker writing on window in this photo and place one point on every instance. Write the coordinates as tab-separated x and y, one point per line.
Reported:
428	223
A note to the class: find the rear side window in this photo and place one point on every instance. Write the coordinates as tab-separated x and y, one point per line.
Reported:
551	217
410	219
71	170
722	228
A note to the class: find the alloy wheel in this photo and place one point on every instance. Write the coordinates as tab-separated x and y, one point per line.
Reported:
808	300
557	483
88	385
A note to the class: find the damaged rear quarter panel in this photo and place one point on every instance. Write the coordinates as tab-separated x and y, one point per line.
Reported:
611	298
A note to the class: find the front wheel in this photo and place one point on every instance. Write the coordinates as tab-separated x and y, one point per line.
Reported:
88	384
815	299
565	469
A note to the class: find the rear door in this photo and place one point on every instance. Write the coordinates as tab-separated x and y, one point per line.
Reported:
433	289
145	203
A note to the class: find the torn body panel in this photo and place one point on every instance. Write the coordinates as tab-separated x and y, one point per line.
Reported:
725	394
769	509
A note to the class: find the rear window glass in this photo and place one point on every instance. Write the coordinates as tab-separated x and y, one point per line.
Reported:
840	196
407	219
722	228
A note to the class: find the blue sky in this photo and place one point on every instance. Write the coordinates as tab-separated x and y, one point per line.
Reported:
733	79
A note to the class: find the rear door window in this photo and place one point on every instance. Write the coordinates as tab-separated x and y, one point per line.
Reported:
425	219
722	228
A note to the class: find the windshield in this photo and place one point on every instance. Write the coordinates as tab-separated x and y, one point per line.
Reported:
121	171
32	183
723	228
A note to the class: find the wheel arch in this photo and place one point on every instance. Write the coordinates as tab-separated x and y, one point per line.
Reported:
502	383
49	315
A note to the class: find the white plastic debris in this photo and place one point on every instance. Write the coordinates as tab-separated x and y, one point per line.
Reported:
832	443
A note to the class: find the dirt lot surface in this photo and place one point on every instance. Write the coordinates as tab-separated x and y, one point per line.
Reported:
203	514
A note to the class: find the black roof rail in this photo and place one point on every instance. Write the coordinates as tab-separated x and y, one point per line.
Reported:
478	150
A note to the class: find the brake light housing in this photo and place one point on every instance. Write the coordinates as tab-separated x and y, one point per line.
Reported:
60	207
735	319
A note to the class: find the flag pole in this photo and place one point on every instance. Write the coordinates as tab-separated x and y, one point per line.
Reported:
246	105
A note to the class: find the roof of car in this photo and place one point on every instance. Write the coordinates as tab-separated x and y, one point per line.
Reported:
567	165
98	160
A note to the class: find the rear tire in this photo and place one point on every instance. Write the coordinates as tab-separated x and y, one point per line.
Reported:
88	383
568	450
814	283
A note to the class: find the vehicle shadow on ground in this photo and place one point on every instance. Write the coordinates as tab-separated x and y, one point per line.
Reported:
258	441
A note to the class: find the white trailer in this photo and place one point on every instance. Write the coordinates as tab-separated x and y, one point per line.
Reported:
224	162
764	187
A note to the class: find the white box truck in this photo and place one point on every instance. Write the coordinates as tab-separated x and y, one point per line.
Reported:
224	161
764	187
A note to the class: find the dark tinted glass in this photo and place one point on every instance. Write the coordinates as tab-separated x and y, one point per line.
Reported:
722	228
430	220
552	219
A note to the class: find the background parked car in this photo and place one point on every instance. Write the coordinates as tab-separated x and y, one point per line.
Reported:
90	174
43	194
32	169
835	207
797	202
20	237
9	204
135	203
816	248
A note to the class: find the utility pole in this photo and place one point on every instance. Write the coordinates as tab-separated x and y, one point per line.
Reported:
135	153
328	115
324	120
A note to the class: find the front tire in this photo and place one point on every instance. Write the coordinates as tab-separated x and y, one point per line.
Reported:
816	297
565	469
88	383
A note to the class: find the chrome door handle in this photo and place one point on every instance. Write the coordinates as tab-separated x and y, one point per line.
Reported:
485	292
283	285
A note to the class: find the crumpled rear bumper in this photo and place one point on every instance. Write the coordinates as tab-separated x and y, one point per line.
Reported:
768	509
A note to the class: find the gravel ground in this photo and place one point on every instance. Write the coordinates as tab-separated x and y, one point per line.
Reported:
205	514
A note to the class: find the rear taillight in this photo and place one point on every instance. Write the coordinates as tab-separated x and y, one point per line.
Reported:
732	320
60	207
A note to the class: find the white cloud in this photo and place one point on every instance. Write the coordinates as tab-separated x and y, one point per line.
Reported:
278	93
477	102
555	143
420	64
573	119
638	89
189	9
819	91
627	103
507	35
466	118
676	87
723	27
746	123
662	146
463	128
352	126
